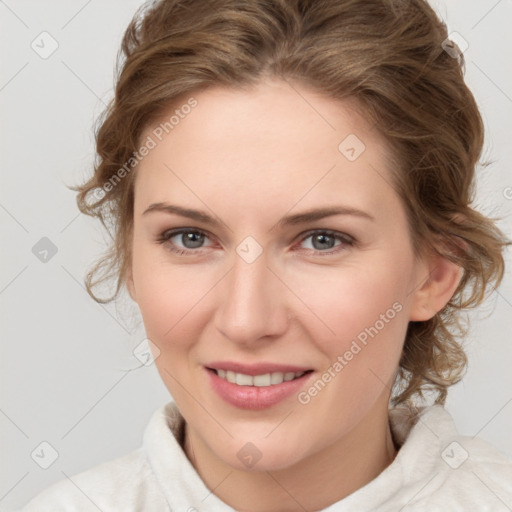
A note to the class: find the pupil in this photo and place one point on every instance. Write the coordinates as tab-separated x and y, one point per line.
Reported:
192	240
323	239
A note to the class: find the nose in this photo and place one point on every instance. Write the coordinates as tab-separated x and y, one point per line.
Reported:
252	303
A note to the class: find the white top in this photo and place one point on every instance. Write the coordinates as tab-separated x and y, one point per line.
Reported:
436	469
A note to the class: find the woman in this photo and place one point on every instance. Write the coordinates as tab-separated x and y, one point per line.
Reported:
290	187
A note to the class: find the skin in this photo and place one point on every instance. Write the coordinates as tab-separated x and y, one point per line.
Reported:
248	158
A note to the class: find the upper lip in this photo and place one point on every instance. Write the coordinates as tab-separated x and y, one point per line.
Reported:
256	368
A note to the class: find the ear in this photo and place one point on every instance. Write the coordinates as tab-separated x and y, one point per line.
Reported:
130	284
438	280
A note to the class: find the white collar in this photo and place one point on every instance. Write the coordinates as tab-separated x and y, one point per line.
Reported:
421	432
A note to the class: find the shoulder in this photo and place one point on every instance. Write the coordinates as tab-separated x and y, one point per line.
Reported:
476	474
125	483
460	472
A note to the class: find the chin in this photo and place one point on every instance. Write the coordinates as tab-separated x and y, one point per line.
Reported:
260	455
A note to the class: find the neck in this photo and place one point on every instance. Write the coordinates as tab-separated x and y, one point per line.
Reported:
312	484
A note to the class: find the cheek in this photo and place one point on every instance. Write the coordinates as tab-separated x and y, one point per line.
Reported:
169	298
361	309
168	294
365	310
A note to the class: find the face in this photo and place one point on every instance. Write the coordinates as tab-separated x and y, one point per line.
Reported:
241	285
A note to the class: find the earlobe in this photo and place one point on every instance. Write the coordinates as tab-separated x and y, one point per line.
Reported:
440	280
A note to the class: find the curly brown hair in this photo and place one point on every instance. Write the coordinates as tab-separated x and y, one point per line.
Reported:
387	55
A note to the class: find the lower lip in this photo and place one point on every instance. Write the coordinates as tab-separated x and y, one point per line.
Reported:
255	397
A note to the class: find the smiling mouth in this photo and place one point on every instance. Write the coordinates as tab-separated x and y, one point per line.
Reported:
263	380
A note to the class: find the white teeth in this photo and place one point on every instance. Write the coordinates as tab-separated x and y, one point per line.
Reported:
262	380
267	379
244	380
276	378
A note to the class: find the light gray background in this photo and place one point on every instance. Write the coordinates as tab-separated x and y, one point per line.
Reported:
64	358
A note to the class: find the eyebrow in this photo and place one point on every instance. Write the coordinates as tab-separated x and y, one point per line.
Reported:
289	220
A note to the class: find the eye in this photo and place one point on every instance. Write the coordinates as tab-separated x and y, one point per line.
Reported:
323	241
191	240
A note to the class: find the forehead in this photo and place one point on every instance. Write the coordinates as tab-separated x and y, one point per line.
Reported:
277	142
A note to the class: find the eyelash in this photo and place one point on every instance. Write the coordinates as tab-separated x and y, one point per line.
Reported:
164	239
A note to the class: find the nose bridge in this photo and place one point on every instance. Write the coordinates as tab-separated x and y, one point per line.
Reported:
250	304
